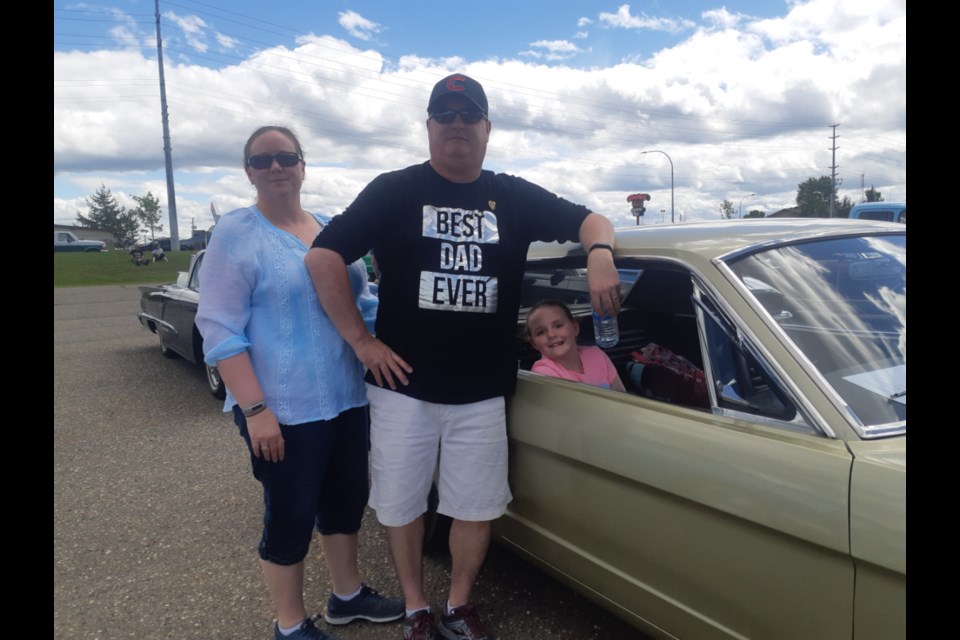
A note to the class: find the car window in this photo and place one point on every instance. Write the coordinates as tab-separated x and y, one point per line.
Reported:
195	275
877	215
741	381
662	330
842	303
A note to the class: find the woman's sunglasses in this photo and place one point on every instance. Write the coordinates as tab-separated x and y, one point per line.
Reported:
265	160
466	116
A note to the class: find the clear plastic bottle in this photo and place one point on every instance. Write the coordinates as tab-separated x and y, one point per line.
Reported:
606	331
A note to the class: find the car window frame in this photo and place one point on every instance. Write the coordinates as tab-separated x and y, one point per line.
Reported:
805	419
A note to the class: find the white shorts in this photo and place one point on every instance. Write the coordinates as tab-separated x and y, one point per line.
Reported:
407	434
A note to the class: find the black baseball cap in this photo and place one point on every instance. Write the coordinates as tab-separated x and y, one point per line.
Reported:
459	85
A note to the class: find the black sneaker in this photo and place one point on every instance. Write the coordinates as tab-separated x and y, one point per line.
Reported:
419	626
463	624
368	605
307	631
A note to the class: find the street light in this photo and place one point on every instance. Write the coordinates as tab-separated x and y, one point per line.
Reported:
671	178
741	202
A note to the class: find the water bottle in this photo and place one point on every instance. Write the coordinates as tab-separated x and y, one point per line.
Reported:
606	331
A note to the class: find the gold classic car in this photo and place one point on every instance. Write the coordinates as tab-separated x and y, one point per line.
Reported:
752	481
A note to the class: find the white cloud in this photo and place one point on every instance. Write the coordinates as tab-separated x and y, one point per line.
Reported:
358	26
582	22
623	19
580	35
721	18
557	49
740	105
193	29
225	41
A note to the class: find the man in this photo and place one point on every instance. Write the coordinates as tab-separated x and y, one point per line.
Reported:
451	241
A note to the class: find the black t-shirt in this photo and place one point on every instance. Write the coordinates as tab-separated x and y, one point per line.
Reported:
451	259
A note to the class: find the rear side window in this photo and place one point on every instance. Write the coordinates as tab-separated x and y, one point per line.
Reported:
876	215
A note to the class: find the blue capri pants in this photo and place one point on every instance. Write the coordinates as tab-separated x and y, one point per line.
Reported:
321	482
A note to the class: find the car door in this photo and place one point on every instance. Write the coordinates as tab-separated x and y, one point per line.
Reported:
180	311
727	522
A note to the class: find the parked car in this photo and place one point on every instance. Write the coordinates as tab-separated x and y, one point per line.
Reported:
67	241
170	310
760	494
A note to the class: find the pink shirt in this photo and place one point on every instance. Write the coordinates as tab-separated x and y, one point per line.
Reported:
597	368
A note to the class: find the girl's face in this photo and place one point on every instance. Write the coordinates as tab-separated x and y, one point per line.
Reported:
552	333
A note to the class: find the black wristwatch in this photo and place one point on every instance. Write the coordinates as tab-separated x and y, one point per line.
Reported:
600	245
253	409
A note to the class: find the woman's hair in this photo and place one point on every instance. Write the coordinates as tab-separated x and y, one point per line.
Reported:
550	302
270	127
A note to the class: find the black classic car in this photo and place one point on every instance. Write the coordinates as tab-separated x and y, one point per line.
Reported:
170	310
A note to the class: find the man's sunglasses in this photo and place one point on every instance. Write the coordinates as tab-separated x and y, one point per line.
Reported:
466	116
265	160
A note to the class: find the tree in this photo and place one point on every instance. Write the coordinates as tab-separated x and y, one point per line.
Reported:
872	195
104	213
726	209
148	213
843	207
813	197
755	213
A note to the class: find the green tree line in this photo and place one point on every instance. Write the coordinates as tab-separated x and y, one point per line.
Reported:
104	212
813	200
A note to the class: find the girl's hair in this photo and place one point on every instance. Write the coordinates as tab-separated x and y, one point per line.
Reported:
550	302
270	127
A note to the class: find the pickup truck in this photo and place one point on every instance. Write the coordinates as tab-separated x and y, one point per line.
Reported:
889	211
66	241
170	310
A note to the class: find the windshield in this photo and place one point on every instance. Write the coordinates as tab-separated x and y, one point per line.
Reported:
843	303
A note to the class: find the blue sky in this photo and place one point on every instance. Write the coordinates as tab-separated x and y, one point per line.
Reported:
740	96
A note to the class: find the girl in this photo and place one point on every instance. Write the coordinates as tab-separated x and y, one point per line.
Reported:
552	330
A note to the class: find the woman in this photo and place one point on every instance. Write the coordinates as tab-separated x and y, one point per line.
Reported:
295	388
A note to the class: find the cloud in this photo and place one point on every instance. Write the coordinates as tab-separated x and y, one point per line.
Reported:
358	26
741	105
556	49
226	42
580	35
722	18
623	19
582	22
193	29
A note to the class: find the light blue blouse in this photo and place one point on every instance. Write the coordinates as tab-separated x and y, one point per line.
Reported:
257	296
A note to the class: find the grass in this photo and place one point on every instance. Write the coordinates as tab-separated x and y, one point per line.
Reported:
114	267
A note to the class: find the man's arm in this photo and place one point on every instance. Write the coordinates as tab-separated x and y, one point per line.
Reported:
602	276
329	274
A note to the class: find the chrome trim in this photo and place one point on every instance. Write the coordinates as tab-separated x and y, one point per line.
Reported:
157	321
802	238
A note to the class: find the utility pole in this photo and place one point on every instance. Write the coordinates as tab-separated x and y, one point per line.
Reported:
833	173
167	151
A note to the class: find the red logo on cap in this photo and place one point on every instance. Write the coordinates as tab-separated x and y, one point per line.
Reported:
453	83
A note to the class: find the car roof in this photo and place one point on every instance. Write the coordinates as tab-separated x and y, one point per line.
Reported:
709	240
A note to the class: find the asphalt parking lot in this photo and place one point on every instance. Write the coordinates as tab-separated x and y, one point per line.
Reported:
157	518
